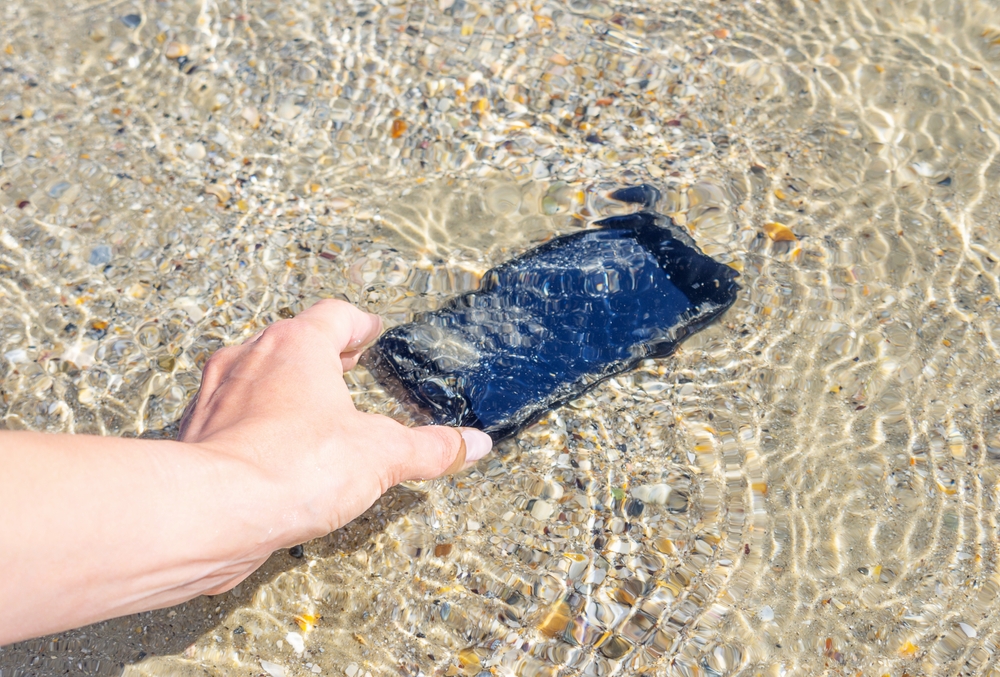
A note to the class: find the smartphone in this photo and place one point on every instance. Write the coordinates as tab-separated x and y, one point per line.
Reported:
547	326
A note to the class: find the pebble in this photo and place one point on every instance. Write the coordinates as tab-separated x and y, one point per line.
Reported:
288	110
176	50
766	614
58	190
296	641
656	494
16	356
132	20
339	204
195	151
220	192
779	232
100	255
251	115
542	510
272	669
351	670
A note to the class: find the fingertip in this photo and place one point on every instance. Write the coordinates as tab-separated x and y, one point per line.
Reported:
477	443
367	335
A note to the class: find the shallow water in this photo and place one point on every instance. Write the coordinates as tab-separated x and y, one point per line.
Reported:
831	447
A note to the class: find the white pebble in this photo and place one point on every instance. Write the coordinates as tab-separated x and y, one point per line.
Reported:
542	510
657	494
272	669
17	355
766	614
969	631
288	110
195	151
352	670
295	641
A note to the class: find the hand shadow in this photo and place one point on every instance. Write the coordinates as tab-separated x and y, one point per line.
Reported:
106	648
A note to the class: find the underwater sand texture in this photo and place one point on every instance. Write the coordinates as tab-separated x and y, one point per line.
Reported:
809	486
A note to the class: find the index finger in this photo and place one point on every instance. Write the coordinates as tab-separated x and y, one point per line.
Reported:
349	328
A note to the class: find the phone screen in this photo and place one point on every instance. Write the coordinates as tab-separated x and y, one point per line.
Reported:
550	324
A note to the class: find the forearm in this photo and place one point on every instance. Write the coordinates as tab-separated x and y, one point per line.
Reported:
94	527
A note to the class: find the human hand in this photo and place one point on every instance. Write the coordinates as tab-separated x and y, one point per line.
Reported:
278	406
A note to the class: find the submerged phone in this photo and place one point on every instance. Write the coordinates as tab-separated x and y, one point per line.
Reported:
548	325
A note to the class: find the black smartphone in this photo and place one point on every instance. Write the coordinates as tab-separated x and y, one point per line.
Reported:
548	325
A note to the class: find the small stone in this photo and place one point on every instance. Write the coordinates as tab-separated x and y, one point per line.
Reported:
251	115
677	502
132	20
398	128
442	549
195	151
288	110
969	631
351	670
176	50
296	641
316	670
554	622
655	494
16	356
339	204
272	669
721	33
552	491
779	232
297	551
166	362
542	510
220	192
100	255
58	190
766	614
98	330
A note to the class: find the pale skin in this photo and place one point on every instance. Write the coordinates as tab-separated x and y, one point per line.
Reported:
271	454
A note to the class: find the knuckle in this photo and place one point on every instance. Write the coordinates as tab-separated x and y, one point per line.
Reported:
216	362
279	332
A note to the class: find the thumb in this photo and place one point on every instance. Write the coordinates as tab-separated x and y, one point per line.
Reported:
439	450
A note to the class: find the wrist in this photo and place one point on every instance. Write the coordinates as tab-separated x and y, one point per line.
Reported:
257	505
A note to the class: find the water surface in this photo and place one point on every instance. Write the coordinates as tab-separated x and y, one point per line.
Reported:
808	486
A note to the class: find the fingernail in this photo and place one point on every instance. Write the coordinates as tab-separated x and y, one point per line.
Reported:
477	444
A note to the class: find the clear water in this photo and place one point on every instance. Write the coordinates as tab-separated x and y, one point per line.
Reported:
826	456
